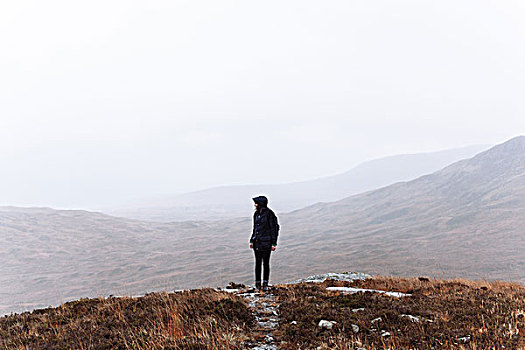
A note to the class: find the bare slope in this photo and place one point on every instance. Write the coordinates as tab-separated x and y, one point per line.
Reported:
465	220
50	256
220	203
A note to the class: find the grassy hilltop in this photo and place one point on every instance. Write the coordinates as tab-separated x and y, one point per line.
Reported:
438	314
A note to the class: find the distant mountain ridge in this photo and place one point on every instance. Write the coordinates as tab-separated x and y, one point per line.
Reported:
465	220
225	202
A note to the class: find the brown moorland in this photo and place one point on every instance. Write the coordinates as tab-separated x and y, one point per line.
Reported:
438	314
197	319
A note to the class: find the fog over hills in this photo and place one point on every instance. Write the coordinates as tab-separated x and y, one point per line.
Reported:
465	220
50	256
224	202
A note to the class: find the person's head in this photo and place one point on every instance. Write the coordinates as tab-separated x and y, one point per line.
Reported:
260	202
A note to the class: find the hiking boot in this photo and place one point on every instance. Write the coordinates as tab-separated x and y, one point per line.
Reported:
258	285
265	286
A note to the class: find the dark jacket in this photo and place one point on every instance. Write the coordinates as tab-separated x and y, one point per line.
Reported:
265	226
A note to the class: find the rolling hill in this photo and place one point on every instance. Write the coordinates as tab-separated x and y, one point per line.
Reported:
225	202
465	220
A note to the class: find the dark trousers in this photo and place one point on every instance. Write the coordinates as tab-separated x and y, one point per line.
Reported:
262	257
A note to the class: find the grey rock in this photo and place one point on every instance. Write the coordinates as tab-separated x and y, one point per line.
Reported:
375	320
326	324
355	328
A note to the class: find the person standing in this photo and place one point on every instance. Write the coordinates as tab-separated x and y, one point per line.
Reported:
263	239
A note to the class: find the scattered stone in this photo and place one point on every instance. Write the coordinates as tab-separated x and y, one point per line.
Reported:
231	290
355	328
343	276
326	324
411	318
233	285
465	339
379	319
352	290
265	347
269	324
263	307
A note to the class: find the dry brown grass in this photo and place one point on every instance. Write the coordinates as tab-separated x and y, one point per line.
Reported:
490	313
199	319
408	285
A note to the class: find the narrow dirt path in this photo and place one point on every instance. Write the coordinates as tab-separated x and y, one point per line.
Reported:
265	307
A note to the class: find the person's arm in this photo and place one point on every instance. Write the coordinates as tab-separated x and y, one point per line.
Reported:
252	238
274	230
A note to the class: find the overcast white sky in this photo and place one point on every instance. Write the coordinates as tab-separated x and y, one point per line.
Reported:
105	100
